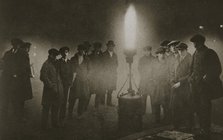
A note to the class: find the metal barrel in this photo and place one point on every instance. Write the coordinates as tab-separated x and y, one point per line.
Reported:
130	114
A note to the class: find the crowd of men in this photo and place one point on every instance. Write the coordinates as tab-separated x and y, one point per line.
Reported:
182	84
177	82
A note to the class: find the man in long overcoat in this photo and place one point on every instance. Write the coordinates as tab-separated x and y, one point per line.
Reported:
145	67
96	72
110	69
12	75
181	93
66	73
204	78
52	91
80	87
160	94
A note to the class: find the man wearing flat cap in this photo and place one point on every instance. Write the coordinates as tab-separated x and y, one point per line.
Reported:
205	81
161	86
110	68
145	66
96	72
12	75
181	94
53	89
87	48
80	88
66	73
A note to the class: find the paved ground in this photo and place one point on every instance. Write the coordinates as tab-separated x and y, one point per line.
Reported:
94	126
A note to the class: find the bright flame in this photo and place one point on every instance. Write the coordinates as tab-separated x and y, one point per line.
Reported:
130	27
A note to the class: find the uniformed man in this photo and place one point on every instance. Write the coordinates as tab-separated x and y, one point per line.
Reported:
181	93
160	94
53	89
204	78
146	64
80	87
110	68
66	73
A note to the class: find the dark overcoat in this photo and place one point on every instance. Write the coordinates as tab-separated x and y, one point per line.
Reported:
145	67
161	88
16	75
26	87
110	70
182	72
53	89
205	72
66	72
96	72
80	87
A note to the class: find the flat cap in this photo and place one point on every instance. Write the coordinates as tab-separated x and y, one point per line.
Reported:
63	49
198	38
160	50
173	43
110	43
97	45
53	51
164	43
147	48
182	46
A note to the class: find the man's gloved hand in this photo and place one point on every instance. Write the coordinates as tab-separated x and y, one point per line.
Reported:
177	85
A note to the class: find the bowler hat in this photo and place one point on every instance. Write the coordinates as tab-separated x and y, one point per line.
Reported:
97	45
160	50
198	38
87	44
16	41
182	46
164	43
63	49
110	43
53	52
173	43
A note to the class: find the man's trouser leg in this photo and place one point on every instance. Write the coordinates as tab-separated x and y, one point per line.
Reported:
144	98
45	116
54	115
156	111
109	97
71	107
81	105
63	107
167	110
4	107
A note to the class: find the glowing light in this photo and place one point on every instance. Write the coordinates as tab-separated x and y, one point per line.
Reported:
130	28
221	26
201	27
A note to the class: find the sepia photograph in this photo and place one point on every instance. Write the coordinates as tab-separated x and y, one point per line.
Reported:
111	70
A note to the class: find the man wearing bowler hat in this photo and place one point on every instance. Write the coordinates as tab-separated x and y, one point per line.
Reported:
66	73
110	68
181	94
53	89
205	81
96	72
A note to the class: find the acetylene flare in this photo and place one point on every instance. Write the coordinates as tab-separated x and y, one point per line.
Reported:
130	27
